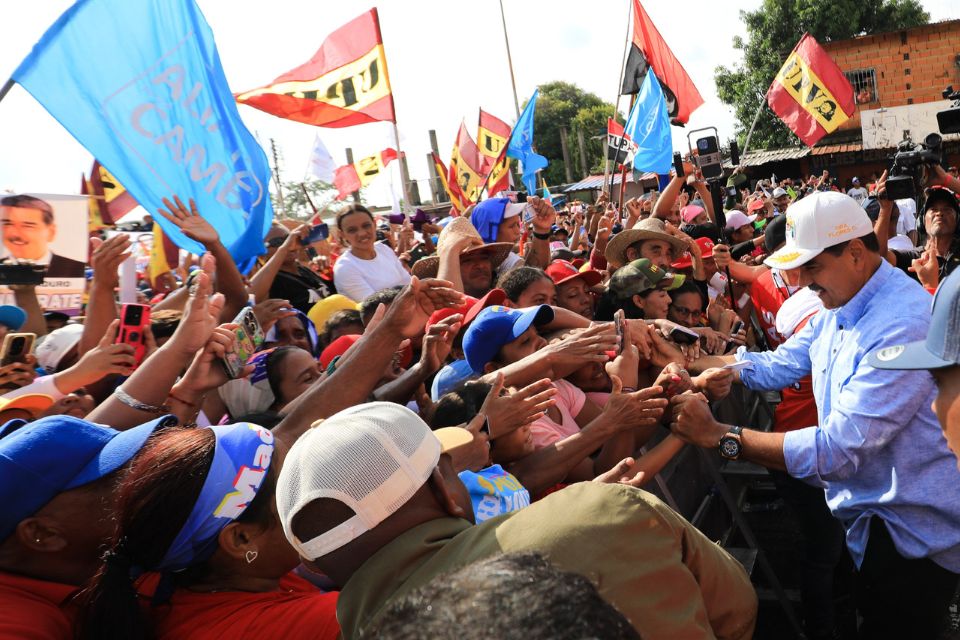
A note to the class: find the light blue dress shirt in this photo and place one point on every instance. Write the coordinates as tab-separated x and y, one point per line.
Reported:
879	450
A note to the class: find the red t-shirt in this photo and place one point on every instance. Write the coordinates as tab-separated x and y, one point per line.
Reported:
33	609
797	409
297	610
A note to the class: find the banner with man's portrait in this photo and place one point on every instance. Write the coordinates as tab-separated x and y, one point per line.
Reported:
48	230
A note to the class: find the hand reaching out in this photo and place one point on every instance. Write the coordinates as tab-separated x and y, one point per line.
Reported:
206	373
438	342
517	408
412	307
927	267
269	311
201	313
106	258
189	221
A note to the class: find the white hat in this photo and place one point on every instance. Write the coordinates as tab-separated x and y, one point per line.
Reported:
372	457
779	192
513	209
56	344
819	221
737	219
856	179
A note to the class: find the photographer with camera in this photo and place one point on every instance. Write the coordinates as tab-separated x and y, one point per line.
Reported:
940	213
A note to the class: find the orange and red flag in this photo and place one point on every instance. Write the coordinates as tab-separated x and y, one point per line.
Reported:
492	137
467	165
810	93
345	83
452	189
113	199
351	177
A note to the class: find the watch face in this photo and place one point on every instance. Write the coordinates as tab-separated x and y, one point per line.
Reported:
729	447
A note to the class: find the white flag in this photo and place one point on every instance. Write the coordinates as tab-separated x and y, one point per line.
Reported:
321	162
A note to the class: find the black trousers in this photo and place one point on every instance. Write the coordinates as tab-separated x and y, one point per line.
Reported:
899	597
823	547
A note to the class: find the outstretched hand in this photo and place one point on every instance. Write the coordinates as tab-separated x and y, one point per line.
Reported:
189	221
410	311
201	313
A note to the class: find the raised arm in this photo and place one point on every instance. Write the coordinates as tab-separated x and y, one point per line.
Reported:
102	306
229	282
353	382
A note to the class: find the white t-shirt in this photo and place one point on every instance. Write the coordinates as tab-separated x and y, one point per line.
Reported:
900	243
907	221
859	194
357	278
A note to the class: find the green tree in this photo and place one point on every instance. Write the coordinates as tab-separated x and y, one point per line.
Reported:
562	104
772	32
295	205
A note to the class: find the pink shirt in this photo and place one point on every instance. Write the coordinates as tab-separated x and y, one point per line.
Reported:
570	401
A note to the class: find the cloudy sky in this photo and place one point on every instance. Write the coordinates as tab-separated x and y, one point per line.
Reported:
446	58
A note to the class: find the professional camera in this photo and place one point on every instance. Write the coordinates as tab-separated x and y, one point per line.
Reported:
909	163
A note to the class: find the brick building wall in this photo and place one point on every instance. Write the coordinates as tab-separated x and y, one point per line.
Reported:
910	67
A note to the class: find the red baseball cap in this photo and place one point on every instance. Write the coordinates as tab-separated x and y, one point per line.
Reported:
562	271
706	251
756	205
470	308
337	348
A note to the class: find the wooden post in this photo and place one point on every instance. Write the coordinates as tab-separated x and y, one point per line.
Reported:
276	178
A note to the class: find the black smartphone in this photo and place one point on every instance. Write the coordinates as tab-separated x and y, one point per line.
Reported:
317	233
682	335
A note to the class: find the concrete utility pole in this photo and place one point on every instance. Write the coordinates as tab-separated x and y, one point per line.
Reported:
567	166
583	154
355	194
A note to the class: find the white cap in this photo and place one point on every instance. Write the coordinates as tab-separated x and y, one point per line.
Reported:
856	179
372	457
779	192
820	220
56	344
513	209
737	219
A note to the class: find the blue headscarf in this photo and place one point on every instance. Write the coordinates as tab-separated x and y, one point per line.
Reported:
240	465
308	326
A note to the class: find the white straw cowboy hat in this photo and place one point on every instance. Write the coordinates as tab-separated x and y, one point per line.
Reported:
458	228
648	229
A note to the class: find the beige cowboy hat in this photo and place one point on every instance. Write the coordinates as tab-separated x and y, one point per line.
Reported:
647	229
458	228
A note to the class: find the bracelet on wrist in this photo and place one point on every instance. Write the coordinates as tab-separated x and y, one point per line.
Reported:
541	236
133	403
192	405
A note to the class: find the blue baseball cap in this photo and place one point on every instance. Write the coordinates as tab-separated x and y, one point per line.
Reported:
12	317
942	346
487	216
496	326
449	377
41	459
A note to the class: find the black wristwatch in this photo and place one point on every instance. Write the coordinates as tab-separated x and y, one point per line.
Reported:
730	445
541	236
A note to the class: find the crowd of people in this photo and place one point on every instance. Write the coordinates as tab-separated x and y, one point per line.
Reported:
444	431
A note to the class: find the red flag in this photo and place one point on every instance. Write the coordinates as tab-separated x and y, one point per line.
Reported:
351	177
452	189
345	83
467	165
492	137
810	93
114	200
619	145
649	50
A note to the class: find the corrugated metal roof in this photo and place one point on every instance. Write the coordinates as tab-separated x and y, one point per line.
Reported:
596	181
757	158
836	148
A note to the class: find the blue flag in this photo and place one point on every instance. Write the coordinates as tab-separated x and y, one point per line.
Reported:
649	127
521	146
140	85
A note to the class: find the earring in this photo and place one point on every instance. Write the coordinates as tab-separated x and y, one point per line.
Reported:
251	556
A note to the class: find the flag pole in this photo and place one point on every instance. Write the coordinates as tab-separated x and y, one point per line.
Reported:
276	177
746	143
404	177
6	88
513	80
616	106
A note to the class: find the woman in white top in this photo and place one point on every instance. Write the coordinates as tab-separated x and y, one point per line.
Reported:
367	266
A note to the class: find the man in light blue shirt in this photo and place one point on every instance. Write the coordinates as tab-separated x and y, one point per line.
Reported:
878	451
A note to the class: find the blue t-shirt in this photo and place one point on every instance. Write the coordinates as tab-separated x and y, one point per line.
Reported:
494	492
